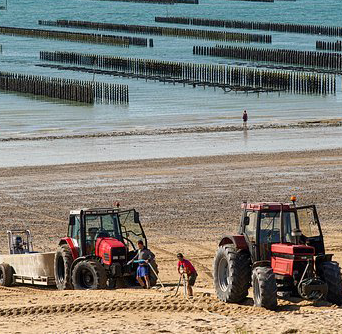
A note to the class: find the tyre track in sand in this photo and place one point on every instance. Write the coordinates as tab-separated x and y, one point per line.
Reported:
165	304
27	290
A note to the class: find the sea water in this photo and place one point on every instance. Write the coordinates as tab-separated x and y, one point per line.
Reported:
153	104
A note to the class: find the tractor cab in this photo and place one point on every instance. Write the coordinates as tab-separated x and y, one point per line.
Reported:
265	224
88	228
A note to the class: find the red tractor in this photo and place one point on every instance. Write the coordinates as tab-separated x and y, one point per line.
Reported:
99	244
279	250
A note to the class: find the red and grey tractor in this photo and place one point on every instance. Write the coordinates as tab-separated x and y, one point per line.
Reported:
99	244
279	251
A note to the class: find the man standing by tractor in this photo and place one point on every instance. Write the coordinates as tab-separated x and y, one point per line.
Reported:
144	257
186	268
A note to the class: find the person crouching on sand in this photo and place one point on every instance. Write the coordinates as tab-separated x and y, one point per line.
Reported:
185	267
144	256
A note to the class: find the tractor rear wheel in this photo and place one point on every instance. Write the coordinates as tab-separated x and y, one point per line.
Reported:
331	274
6	274
62	264
89	275
264	288
153	277
232	274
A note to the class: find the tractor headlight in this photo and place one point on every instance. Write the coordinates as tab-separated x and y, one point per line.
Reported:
115	257
122	257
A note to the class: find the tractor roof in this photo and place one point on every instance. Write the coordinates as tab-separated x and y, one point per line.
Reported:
272	206
94	210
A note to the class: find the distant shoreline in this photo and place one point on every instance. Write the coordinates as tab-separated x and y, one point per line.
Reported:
187	130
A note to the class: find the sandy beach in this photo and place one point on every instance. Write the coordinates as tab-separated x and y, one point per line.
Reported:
141	102
186	205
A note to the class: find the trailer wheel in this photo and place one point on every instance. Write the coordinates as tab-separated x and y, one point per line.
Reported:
89	275
331	274
232	274
62	264
264	288
6	275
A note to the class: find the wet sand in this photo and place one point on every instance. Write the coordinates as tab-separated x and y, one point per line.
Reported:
170	143
186	205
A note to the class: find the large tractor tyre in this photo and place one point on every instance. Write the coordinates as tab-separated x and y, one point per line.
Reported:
232	274
264	288
131	281
62	265
6	275
331	274
153	277
89	275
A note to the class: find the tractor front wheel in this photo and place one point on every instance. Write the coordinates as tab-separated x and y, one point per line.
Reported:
264	288
89	275
62	266
6	275
331	274
232	274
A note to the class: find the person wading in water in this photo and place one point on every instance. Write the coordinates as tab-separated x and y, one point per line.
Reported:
245	119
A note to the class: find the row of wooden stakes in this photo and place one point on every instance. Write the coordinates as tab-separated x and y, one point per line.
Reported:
307	58
164	31
254	25
219	75
123	41
64	89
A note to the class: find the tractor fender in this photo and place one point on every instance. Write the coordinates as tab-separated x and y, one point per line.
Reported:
238	241
261	264
79	259
320	259
70	243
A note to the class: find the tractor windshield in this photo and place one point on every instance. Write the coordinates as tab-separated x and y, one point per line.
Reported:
270	226
96	226
131	229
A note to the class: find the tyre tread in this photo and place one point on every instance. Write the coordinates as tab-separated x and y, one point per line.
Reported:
331	273
65	252
239	272
100	276
267	287
7	272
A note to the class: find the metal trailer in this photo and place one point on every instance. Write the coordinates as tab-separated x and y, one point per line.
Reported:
24	266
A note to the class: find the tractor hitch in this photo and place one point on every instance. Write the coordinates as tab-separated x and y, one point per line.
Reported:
313	289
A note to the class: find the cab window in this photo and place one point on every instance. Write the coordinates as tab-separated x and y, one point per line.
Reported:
251	228
307	222
269	227
269	232
74	227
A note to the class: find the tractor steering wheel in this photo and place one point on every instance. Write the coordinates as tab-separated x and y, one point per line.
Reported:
129	241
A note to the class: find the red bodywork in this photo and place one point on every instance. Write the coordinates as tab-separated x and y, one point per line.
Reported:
74	250
104	246
267	206
284	257
238	241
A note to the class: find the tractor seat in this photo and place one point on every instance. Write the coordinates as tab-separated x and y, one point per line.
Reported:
103	234
93	230
267	237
